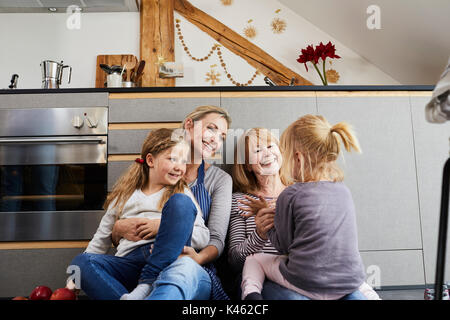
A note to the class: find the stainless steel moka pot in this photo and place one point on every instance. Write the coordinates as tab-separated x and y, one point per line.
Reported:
52	73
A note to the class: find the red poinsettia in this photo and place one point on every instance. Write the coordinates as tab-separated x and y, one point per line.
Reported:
320	52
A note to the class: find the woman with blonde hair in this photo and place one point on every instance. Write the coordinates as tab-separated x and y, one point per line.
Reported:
249	242
151	188
205	130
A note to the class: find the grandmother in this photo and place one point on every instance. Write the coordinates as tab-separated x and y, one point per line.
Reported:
257	183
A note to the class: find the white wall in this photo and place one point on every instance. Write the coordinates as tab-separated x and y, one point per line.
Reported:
27	39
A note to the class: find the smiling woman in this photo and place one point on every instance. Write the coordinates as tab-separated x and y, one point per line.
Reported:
194	276
206	129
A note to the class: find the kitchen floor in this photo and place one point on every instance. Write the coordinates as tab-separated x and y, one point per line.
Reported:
398	294
411	294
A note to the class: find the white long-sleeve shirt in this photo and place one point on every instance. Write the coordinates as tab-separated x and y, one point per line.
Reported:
140	205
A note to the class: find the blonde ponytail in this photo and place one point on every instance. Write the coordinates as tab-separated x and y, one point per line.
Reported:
348	138
316	143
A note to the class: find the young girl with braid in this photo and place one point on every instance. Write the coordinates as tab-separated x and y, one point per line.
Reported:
152	188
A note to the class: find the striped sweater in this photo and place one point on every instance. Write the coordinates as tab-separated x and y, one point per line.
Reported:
242	235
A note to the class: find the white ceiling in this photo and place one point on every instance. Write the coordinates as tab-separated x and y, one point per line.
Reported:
39	6
412	46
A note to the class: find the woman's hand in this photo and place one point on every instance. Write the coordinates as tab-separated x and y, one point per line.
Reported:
148	229
190	252
264	221
134	229
252	206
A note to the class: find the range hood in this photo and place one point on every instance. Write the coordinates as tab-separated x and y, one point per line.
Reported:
60	6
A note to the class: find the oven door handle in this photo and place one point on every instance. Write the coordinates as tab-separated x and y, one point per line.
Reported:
52	140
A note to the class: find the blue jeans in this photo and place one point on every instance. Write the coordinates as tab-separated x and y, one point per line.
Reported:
184	279
175	232
109	277
357	295
273	291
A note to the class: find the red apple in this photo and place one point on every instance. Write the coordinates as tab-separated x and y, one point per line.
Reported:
41	293
63	294
20	298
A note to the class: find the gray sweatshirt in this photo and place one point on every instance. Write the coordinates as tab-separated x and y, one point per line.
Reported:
139	205
315	225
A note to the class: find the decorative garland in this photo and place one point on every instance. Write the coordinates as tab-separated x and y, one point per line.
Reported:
215	47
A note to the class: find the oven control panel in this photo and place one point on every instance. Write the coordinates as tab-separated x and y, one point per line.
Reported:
53	121
78	121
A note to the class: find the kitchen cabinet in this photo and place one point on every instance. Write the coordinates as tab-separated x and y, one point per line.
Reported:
382	178
395	182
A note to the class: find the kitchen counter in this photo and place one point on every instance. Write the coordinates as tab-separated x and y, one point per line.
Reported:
223	89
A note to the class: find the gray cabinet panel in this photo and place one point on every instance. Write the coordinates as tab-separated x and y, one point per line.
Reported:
383	178
115	170
54	100
23	270
432	149
274	114
394	268
126	141
155	109
271	113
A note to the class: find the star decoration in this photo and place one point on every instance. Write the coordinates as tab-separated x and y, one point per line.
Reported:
213	76
278	25
250	32
332	76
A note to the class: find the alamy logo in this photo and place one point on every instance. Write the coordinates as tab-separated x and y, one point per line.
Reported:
373	276
374	19
73	21
75	275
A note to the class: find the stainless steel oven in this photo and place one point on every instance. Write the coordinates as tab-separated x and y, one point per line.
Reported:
53	172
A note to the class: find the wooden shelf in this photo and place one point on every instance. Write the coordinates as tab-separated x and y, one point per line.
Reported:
43	245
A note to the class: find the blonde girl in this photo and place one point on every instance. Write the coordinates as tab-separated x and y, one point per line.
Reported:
314	223
151	188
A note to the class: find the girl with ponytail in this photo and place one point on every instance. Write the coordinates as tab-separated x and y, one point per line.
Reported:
313	224
151	188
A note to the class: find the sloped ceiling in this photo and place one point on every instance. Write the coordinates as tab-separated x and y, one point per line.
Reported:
412	45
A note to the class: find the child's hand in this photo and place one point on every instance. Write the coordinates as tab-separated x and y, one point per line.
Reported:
264	221
252	206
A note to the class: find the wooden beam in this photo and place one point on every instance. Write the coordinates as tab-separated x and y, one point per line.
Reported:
156	40
237	44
